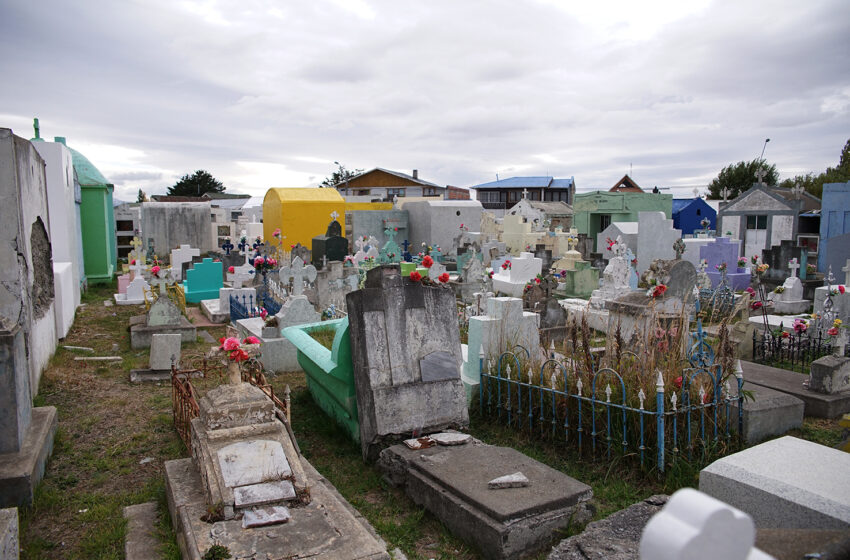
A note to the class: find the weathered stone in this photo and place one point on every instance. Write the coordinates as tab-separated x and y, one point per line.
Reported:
231	406
515	480
617	537
769	414
9	547
261	517
438	366
820	405
451	438
252	462
141	540
263	493
830	375
165	348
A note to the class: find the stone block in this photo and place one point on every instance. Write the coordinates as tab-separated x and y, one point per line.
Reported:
772	413
164	349
9	547
63	288
784	483
830	375
819	405
141	540
21	472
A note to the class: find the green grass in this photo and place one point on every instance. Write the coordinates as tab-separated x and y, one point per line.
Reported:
324	336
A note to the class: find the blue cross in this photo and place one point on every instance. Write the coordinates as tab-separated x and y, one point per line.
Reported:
228	246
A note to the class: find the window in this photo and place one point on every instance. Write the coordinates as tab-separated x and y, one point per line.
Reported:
604	221
430	191
395	192
212	217
362	192
699	211
124	225
756	222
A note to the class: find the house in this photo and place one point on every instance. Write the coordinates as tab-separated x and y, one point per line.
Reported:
547	214
502	194
384	185
626	184
688	214
763	216
595	211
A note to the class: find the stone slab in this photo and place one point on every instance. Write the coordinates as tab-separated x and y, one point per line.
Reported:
141	542
212	310
796	544
263	493
252	462
163	347
261	517
784	483
149	376
325	528
9	546
140	334
438	366
818	405
617	537
772	413
21	472
451	482
515	480
451	438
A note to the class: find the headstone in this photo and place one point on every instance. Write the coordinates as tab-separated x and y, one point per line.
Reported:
165	350
545	256
163	313
810	490
695	526
135	294
436	270
512	280
332	246
301	252
390	252
790	300
394	325
615	278
204	281
830	375
278	353
182	254
471	280
724	250
299	274
656	236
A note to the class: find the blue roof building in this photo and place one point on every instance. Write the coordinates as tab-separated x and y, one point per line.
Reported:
688	213
504	193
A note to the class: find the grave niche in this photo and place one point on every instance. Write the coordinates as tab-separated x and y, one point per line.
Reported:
406	353
331	246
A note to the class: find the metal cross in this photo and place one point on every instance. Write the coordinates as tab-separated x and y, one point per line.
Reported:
227	246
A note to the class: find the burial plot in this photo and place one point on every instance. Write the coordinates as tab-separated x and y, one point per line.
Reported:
817	403
135	293
272	503
725	250
278	353
656	236
204	281
471	279
332	283
182	254
406	353
163	318
790	299
165	351
511	281
299	274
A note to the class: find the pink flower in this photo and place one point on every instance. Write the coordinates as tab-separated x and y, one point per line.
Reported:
756	305
133	261
263	312
415	276
272	262
276	233
231	270
230	344
678	382
259	261
750	291
155	270
444	277
251	340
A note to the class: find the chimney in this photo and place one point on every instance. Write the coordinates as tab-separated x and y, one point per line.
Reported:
415	173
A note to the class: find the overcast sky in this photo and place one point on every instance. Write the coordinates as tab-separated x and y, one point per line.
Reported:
269	94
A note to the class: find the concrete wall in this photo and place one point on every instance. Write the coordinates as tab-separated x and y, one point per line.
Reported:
373	222
438	222
171	224
783	228
26	267
834	222
627	230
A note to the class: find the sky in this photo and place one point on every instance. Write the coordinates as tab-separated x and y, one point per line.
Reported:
269	94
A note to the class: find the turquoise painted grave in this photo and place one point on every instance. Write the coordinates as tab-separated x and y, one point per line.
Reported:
204	281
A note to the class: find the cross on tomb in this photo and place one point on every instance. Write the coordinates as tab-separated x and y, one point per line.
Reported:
846	271
227	246
324	261
243	245
760	174
725	192
798	191
136	243
390	233
794	266
240	274
702	265
298	273
334	215
525	193
161	282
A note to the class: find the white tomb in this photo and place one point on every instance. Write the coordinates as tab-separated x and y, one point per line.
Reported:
512	281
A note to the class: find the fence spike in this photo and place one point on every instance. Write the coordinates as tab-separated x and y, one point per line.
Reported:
530	375
659	384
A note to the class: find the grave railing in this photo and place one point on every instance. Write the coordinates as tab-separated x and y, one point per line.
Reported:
790	350
184	395
178	295
598	413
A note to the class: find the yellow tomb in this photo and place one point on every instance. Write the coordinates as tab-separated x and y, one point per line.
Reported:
301	214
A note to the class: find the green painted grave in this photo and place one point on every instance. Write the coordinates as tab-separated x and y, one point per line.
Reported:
204	281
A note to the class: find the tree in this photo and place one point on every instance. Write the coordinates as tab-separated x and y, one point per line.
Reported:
142	196
814	183
198	183
339	176
739	177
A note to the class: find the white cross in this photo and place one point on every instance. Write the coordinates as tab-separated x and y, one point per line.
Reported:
324	261
702	264
240	274
846	271
334	215
161	282
525	193
760	174
794	266
725	193
182	254
298	272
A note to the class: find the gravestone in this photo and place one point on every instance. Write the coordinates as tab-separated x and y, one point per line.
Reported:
471	280
436	270
615	278
656	236
680	278
278	353
545	256
724	250
809	491
391	252
331	246
395	324
332	283
298	273
790	300
135	294
163	317
181	255
778	258
165	350
830	375
204	281
9	547
511	281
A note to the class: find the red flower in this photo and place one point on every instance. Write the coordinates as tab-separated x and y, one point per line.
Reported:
841	288
427	262
251	340
678	382
239	355
133	261
537	280
785	334
756	305
259	261
155	271
231	270
444	277
415	276
832	332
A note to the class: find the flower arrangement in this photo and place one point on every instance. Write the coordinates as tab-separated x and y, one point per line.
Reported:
754	259
427	261
742	262
800	326
839	289
444	277
262	264
720	267
656	291
756	305
506	265
276	233
234	350
750	291
779	290
610	243
415	276
833	331
490	273
811	269
761	268
155	270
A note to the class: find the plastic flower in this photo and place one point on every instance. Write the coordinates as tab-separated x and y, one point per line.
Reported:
251	340
239	355
832	332
133	261
800	326
259	261
444	277
537	280
155	270
272	262
276	233
229	344
750	291
415	276
263	313
785	334
678	382
231	269
427	261
837	323
756	305
657	291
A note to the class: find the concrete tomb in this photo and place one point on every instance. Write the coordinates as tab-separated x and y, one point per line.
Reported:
182	254
299	274
331	246
135	293
790	299
725	250
163	318
204	281
278	353
406	353
165	351
656	236
817	401
511	281
9	546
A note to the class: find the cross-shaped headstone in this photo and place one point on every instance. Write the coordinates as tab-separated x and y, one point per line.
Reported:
324	261
846	271
798	191
299	273
161	282
258	243
725	192
679	247
334	215
760	174
136	243
240	274
227	246
794	266
182	254
390	233
525	193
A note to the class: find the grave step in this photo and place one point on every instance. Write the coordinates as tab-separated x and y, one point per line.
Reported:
263	493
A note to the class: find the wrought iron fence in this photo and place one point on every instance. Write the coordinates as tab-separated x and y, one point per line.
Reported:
559	400
790	350
245	305
178	295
